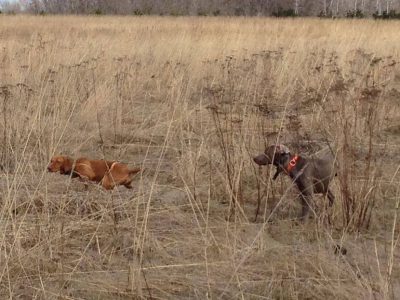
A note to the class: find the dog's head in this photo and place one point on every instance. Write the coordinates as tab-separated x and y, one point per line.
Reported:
60	163
274	154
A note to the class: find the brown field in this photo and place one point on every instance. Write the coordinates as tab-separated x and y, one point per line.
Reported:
191	100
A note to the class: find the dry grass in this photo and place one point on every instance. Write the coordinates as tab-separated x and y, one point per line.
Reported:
192	99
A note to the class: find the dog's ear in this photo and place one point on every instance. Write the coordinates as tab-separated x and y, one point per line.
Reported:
282	149
61	160
277	154
66	165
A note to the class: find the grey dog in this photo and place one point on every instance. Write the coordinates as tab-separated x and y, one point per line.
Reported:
311	174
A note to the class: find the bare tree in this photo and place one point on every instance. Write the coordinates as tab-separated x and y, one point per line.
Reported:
10	7
207	7
388	5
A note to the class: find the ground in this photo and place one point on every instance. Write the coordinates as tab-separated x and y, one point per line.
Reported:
191	100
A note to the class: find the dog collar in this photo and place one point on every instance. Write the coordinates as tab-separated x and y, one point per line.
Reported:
292	163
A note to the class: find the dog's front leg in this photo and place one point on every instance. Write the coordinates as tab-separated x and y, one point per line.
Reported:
305	206
306	195
278	171
85	181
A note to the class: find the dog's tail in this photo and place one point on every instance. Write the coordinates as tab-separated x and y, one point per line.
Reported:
134	171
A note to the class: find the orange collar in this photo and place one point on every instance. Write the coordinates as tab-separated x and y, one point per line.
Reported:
292	163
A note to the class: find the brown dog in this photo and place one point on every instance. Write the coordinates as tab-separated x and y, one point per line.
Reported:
109	173
119	174
311	174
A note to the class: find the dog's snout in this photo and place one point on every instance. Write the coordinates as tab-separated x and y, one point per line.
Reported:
49	168
260	160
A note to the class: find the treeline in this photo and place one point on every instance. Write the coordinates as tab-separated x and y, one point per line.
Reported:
385	9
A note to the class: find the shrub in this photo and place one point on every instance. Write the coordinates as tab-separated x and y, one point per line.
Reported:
217	12
239	11
385	15
355	14
201	13
327	14
176	13
284	13
137	12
